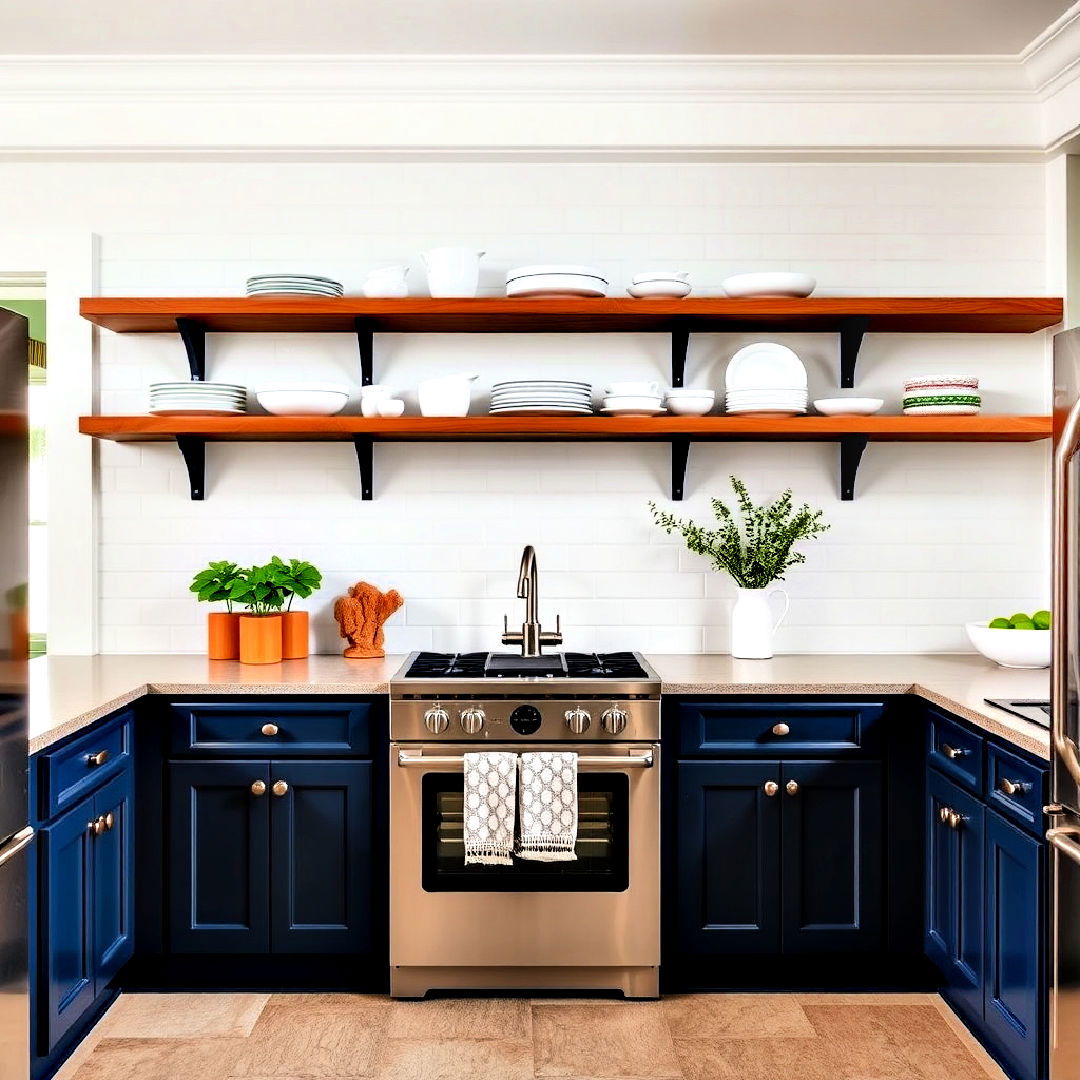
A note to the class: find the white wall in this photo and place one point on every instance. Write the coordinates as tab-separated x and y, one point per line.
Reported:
937	534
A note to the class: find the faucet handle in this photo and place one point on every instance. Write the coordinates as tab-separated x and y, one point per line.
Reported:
511	637
553	637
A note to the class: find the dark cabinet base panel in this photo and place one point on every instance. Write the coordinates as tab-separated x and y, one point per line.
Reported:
244	973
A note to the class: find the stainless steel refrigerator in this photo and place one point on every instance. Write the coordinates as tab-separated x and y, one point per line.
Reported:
16	836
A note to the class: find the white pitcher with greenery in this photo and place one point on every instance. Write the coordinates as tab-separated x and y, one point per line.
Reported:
755	552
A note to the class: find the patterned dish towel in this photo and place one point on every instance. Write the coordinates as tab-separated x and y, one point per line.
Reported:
549	806
490	804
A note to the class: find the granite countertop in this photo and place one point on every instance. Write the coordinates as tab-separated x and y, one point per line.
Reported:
69	692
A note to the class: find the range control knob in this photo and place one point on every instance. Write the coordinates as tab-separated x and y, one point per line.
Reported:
436	719
578	720
614	720
472	720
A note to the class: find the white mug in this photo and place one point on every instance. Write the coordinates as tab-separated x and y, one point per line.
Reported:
452	271
370	396
388	282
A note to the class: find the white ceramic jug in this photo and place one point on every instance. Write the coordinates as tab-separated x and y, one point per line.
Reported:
388	282
452	271
752	623
448	395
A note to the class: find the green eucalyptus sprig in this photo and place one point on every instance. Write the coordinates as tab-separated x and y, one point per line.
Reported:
755	548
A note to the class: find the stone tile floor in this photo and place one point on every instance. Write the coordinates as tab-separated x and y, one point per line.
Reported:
693	1037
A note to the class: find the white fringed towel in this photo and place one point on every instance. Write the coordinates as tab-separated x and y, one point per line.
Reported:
490	807
548	803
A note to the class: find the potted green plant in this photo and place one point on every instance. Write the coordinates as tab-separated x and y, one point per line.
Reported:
214	586
295	578
755	548
257	590
18	627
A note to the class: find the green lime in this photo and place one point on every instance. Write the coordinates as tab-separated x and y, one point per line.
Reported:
1000	624
1023	624
1041	619
1018	618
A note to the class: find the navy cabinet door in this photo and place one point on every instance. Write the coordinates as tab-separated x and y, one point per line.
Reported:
320	856
1012	991
67	881
729	857
955	891
113	888
833	856
218	857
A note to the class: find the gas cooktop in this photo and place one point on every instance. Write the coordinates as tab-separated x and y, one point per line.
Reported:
490	665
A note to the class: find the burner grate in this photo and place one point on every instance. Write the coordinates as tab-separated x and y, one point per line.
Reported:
479	665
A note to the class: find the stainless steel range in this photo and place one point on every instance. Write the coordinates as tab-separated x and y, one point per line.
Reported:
593	923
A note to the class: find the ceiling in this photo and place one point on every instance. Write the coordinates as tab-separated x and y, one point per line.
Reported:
759	27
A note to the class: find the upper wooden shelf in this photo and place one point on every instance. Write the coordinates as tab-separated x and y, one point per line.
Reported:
971	315
628	429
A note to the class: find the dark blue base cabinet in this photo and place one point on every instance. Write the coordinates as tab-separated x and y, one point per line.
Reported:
986	919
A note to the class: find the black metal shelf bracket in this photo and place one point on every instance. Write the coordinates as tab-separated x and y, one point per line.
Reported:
680	452
680	342
851	452
193	335
193	449
364	446
365	338
852	329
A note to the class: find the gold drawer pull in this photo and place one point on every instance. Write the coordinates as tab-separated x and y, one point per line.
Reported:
1011	787
280	787
771	788
781	729
791	787
258	788
269	729
94	760
952	752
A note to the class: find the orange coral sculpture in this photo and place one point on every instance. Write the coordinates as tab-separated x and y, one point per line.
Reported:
360	617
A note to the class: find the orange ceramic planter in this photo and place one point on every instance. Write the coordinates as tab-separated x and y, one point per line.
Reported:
18	628
223	635
294	635
260	639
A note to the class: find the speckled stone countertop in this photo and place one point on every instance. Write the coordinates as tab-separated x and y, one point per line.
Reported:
69	692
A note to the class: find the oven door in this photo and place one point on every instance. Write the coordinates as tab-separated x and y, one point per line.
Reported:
602	909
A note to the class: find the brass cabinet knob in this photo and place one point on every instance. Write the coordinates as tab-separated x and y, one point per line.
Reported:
791	787
781	729
943	814
94	760
952	752
771	788
259	787
110	821
280	787
955	819
269	729
97	826
1011	787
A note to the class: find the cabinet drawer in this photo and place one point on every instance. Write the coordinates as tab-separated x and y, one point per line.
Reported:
273	729
956	751
1015	787
82	766
763	728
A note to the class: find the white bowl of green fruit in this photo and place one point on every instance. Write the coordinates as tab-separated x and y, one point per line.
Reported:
1020	641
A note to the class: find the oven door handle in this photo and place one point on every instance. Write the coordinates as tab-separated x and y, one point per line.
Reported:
417	759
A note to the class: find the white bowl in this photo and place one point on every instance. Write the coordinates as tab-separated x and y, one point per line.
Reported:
690	406
303	400
628	402
771	283
852	406
1011	648
660	288
691	392
391	408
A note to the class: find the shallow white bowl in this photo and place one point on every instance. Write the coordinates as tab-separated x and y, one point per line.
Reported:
1011	648
303	401
854	406
771	283
660	288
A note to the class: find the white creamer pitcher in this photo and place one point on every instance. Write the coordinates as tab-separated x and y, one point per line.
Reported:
452	271
753	622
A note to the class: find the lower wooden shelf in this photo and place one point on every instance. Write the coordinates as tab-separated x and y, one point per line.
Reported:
852	433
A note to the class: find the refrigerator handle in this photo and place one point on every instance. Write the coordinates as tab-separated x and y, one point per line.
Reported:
1065	840
16	844
1066	448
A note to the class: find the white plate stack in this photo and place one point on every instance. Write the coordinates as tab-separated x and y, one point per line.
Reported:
942	395
197	399
541	397
293	285
556	279
766	379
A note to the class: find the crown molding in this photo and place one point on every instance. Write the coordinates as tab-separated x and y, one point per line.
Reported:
1052	59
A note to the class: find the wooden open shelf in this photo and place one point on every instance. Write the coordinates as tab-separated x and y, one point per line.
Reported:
851	433
502	315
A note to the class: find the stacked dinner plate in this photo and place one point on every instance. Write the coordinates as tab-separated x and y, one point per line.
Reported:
766	379
197	399
541	397
942	395
293	285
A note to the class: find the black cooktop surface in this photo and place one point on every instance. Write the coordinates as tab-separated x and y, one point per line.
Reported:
485	665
